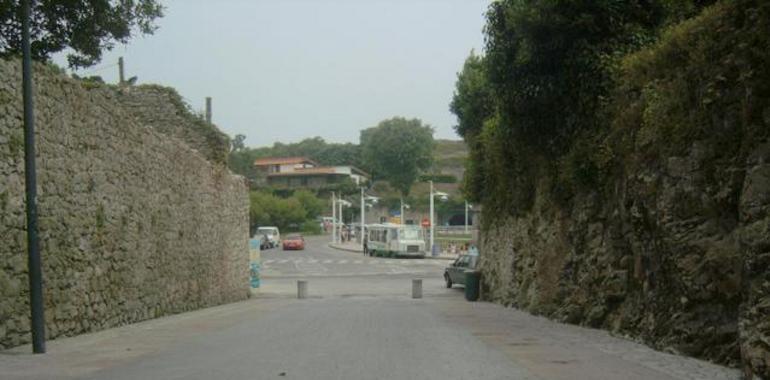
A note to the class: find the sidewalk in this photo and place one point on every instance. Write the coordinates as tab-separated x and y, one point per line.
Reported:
356	247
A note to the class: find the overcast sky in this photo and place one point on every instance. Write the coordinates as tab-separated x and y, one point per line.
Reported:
284	70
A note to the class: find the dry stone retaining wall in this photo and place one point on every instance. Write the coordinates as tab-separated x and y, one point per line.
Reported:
678	256
134	222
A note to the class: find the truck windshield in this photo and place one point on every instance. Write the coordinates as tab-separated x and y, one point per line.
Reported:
411	234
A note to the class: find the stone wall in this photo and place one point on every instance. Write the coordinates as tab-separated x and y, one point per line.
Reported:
164	110
134	223
677	255
671	242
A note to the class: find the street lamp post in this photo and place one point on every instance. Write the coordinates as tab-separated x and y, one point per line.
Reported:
444	197
341	202
334	219
342	220
363	218
432	224
35	271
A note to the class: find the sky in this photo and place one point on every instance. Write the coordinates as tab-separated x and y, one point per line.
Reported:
284	70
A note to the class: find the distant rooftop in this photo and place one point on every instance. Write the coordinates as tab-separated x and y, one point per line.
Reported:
283	161
339	169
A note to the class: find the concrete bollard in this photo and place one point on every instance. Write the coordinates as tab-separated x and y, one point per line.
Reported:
301	289
416	288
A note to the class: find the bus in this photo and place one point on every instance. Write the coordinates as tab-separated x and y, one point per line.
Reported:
395	240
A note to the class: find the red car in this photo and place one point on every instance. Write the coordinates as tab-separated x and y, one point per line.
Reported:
294	241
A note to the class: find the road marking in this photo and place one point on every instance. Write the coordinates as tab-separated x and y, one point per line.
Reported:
328	261
359	262
283	261
312	261
342	262
404	262
268	261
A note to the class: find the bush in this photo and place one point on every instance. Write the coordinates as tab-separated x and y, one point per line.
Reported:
311	227
294	213
438	178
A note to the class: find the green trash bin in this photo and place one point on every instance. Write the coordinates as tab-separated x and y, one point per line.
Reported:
472	285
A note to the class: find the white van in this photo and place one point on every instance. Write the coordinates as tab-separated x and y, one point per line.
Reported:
272	235
395	240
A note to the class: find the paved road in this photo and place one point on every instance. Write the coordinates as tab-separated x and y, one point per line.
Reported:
360	323
318	260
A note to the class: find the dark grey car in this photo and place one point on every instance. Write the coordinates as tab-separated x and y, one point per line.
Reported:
455	273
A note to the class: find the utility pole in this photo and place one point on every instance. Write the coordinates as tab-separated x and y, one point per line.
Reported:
432	224
363	218
334	219
121	71
37	322
402	211
208	109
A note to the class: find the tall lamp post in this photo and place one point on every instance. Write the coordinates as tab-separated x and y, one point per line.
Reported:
432	220
363	219
334	219
30	179
341	202
466	215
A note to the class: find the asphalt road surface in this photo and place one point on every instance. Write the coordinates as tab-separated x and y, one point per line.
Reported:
360	322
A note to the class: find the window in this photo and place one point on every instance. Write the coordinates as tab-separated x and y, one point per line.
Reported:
411	234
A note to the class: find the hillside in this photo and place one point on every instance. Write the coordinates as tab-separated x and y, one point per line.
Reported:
449	158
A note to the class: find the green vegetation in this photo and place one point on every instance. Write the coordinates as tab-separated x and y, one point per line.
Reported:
297	212
438	178
241	158
217	144
85	27
447	158
570	92
398	150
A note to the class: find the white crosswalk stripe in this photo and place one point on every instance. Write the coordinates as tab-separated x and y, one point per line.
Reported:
328	261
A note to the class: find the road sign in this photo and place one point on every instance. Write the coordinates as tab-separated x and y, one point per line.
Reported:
425	222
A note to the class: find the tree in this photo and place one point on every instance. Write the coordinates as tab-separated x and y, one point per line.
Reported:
269	210
397	150
312	205
237	143
472	102
87	27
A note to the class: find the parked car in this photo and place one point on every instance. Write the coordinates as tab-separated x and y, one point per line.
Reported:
455	273
271	234
294	241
